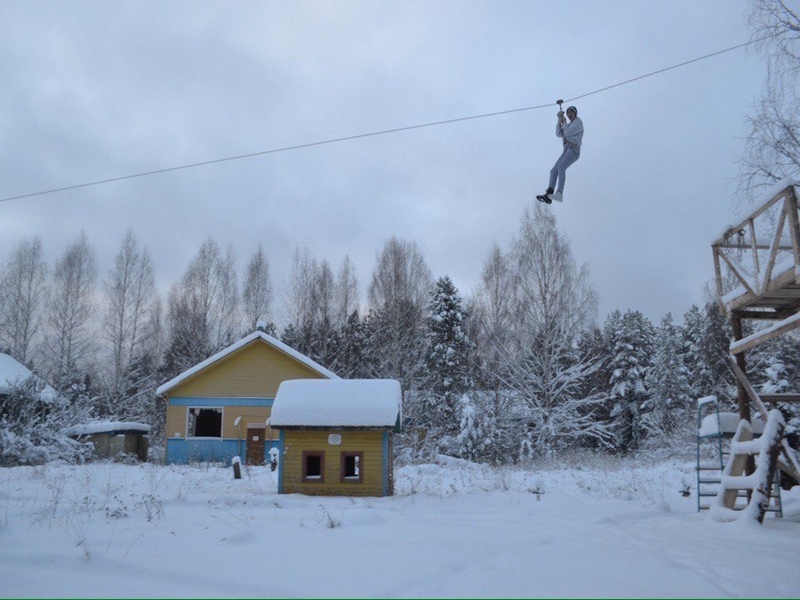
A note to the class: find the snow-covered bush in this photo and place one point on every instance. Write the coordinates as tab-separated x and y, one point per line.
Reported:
32	426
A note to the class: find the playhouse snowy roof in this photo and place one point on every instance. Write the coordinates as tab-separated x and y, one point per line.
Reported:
13	372
277	344
336	403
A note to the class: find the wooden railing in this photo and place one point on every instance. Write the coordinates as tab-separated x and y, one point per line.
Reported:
757	261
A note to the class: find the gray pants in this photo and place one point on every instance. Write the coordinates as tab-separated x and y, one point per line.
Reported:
559	170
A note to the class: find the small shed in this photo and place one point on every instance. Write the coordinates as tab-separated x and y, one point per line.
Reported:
336	436
114	439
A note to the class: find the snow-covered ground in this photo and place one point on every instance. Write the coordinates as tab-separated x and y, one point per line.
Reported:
453	529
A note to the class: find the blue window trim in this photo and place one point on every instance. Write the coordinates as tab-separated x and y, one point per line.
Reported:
265	402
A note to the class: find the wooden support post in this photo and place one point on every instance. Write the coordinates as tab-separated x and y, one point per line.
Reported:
742	396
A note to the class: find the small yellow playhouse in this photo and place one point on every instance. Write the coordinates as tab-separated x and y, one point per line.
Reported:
336	436
220	408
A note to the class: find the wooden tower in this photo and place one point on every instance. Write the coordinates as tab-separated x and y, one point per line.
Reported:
757	268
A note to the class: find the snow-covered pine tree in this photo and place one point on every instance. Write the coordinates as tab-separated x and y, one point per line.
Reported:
632	338
669	406
692	334
592	343
477	439
447	361
706	334
351	361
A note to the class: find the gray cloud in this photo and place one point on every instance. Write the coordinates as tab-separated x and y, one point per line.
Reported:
94	90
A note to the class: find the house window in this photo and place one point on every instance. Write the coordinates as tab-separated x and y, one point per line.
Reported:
313	466
352	466
204	422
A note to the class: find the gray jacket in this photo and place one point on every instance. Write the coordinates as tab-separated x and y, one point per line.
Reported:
572	133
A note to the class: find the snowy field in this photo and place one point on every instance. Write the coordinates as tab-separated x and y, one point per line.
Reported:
452	530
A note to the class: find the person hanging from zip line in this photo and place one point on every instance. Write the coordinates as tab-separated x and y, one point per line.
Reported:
572	136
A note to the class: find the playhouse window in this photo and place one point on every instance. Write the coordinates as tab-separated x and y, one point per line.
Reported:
204	422
313	466
352	463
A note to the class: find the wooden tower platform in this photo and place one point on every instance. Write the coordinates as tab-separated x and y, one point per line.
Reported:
757	269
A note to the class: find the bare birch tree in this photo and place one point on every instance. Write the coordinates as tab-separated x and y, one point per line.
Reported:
129	325
257	291
22	297
491	325
552	304
347	301
773	143
312	305
298	296
202	308
399	293
70	341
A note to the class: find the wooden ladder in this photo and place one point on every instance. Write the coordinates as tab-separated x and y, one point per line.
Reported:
787	461
759	483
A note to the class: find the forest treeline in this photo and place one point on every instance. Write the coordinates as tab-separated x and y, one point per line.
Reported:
519	368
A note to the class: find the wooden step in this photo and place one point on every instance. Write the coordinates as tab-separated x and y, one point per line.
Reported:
757	488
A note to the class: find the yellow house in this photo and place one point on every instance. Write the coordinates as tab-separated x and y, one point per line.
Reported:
220	408
336	436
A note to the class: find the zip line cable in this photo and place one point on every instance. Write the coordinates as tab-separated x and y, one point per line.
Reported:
374	133
665	69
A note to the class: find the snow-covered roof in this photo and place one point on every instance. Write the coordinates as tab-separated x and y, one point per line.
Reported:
275	343
336	403
107	427
13	372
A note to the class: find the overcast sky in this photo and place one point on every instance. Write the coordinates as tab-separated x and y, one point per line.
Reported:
94	90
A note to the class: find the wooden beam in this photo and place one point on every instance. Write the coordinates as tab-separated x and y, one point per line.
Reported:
749	389
775	398
735	269
790	207
773	331
760	314
773	253
761	245
789	464
740	367
755	253
718	277
757	213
